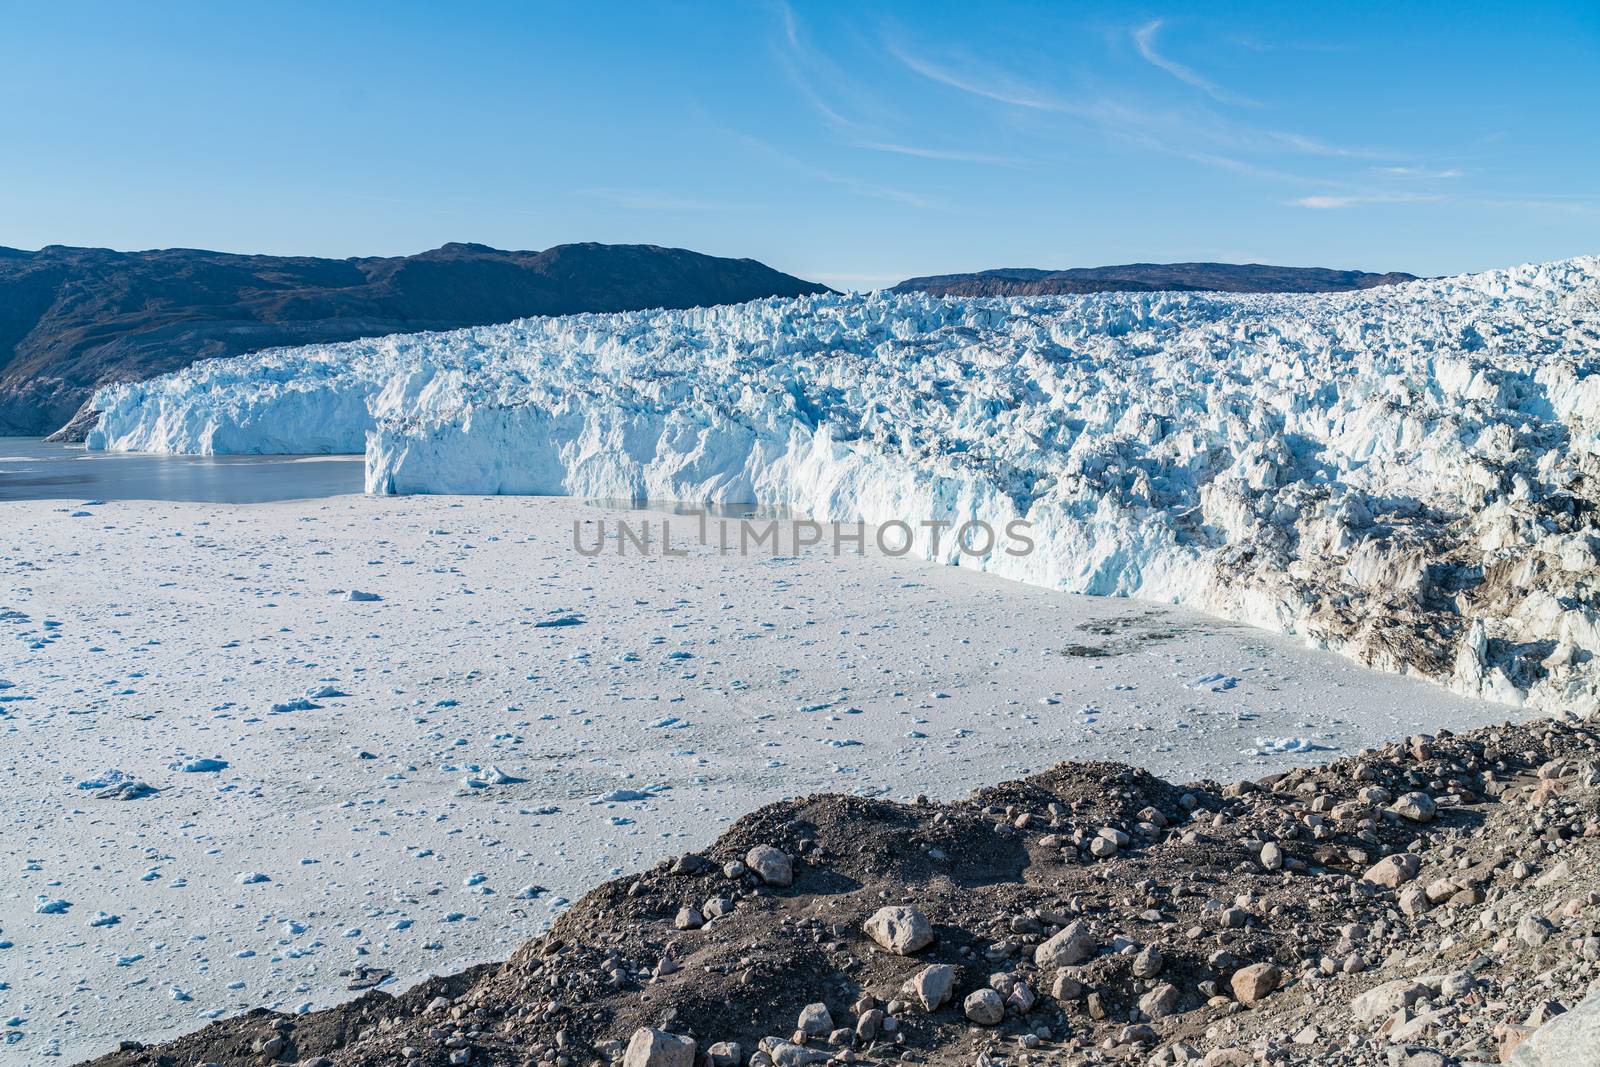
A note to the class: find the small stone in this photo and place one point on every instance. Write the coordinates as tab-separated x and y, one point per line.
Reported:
899	930
725	1054
815	1020
1418	807
771	865
1534	930
1414	901
933	985
1255	982
1148	963
1161	1001
1393	871
1384	1000
657	1048
1065	987
984	1007
1272	856
1070	946
689	919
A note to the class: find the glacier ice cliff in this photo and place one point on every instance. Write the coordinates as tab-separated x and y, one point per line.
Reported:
1405	474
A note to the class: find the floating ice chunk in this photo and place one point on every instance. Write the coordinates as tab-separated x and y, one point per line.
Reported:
297	704
131	790
1267	745
104	781
104	918
490	775
1216	683
44	905
356	596
200	765
563	619
251	878
621	796
324	692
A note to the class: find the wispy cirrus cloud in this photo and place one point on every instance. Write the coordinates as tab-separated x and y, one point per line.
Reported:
991	85
1193	131
1421	172
949	154
849	182
1335	203
865	122
1144	39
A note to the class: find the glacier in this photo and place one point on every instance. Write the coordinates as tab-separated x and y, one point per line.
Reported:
1405	474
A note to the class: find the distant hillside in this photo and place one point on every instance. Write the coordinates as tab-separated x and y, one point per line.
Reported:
1151	277
72	319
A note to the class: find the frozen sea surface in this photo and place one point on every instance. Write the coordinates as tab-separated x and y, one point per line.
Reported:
401	733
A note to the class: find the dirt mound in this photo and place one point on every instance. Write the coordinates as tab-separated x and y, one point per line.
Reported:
1425	904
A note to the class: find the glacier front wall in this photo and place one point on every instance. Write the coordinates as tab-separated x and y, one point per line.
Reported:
1405	474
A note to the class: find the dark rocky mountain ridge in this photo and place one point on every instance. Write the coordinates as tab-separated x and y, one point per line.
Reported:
1151	277
74	319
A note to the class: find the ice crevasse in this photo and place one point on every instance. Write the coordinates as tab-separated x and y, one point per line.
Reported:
1405	474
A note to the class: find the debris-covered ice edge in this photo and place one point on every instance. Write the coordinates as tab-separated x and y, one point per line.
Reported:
1405	474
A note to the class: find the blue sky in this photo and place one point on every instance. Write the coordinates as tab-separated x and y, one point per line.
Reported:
852	143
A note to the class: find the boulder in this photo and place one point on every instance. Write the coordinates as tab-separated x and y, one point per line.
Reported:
657	1048
771	865
1071	946
984	1007
899	930
1568	1039
1255	982
933	985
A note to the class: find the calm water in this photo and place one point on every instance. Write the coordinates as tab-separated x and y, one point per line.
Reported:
30	469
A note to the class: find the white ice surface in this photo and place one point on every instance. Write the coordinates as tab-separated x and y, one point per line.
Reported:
146	638
1335	466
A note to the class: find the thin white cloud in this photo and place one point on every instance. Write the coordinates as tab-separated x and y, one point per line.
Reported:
999	88
949	154
1144	39
1420	172
805	67
1335	203
844	181
1310	146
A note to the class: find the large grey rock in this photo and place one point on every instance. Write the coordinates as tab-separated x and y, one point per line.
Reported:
900	930
815	1020
933	985
1071	946
657	1048
1394	871
1568	1040
984	1007
771	865
1382	1001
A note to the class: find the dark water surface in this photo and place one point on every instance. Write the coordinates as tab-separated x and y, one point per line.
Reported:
31	469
